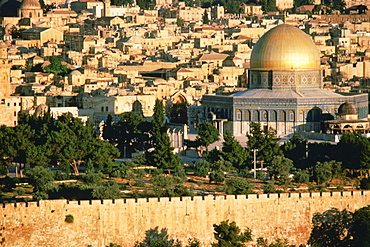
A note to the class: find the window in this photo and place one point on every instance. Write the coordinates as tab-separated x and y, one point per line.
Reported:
238	115
283	116
273	116
265	116
15	114
248	115
102	109
106	108
256	116
291	116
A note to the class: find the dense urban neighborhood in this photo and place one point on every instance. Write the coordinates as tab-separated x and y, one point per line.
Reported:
184	123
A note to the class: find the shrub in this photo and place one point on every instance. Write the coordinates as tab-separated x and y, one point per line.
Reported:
69	218
269	187
19	191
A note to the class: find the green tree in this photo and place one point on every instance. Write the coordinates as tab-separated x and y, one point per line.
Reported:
295	149
158	120
228	234
232	151
205	17
207	134
331	228
265	141
107	190
56	66
322	172
202	168
216	176
163	156
301	177
158	238
237	186
42	180
354	151
180	22
360	230
280	167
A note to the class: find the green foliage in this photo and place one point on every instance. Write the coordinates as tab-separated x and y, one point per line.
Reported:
207	134
269	187
169	186
163	156
56	67
42	181
193	242
107	190
322	172
232	151
361	227
280	167
237	186
265	141
156	238
354	151
202	168
365	184
295	149
158	120
331	228
277	243
229	235
205	17
180	22
217	176
69	218
19	191
301	177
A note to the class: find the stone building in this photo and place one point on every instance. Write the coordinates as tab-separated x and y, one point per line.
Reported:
285	89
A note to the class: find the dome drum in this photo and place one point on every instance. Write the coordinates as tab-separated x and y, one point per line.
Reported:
282	79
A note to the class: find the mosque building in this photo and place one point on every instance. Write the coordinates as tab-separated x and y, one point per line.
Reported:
285	89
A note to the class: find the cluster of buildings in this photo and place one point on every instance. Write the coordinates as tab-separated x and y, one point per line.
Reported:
123	58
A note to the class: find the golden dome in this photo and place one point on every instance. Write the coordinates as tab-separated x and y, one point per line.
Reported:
285	47
30	4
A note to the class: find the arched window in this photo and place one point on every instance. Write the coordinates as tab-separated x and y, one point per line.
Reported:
265	116
283	116
256	116
248	115
238	115
291	115
273	116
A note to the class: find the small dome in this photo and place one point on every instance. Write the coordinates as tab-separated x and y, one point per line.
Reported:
285	47
346	109
75	72
30	4
41	109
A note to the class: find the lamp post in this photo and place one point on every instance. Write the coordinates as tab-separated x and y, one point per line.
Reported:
255	164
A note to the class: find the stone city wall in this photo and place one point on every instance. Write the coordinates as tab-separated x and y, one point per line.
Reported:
123	221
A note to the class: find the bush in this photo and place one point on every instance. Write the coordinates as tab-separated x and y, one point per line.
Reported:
19	191
69	218
365	184
237	186
139	183
269	187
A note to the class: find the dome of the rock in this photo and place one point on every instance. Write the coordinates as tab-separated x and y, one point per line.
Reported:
285	47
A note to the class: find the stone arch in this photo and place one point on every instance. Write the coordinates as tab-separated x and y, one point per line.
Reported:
291	116
314	115
137	108
274	116
265	116
283	116
247	115
256	116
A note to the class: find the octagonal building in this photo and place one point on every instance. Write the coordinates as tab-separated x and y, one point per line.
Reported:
285	89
